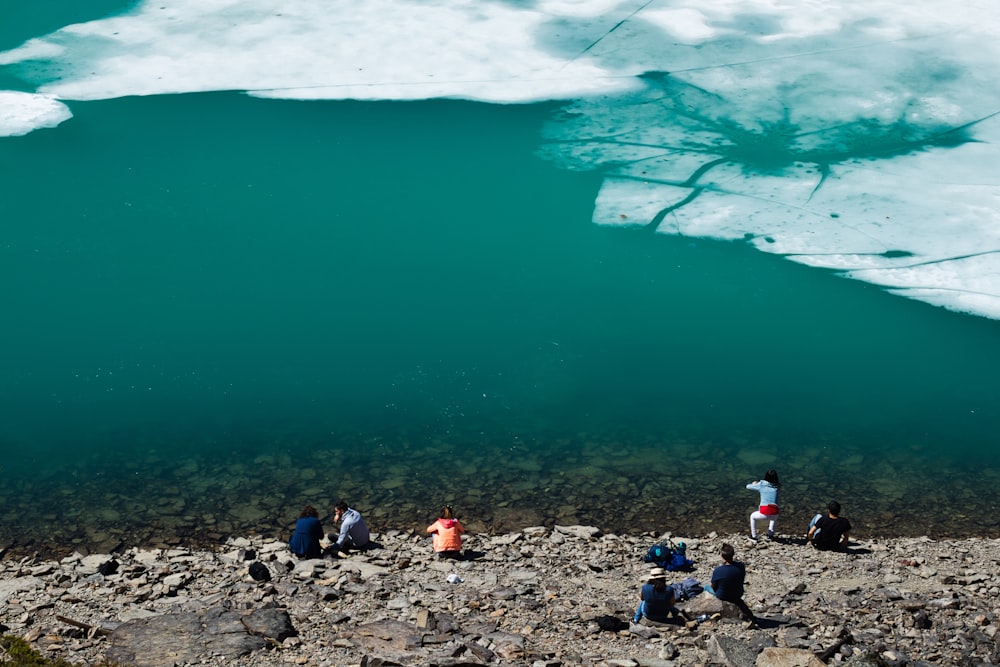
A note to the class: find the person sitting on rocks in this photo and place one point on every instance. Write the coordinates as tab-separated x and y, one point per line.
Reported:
831	531
657	599
447	534
308	533
728	580
353	529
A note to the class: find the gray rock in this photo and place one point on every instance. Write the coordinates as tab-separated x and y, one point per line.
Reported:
365	569
644	631
503	593
506	645
787	657
388	639
582	532
425	619
170	639
706	603
730	652
18	585
273	624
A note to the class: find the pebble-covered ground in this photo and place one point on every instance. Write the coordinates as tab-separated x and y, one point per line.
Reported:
538	596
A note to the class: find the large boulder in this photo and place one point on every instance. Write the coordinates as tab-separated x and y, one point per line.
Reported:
706	603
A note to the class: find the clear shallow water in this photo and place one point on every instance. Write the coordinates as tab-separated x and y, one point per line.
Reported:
221	308
404	300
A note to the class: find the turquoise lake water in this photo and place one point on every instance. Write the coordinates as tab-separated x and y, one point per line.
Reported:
218	308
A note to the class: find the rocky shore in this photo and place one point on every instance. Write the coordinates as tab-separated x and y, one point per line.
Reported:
539	596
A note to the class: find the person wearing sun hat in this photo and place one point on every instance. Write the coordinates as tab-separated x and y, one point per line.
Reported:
657	598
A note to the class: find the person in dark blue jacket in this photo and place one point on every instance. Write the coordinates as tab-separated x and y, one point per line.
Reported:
308	533
728	580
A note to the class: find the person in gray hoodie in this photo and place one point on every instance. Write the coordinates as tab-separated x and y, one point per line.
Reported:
353	529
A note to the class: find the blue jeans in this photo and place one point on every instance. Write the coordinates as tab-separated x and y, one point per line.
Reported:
813	523
641	611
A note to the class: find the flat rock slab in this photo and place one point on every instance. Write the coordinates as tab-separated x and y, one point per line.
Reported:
19	585
190	636
382	637
584	532
787	657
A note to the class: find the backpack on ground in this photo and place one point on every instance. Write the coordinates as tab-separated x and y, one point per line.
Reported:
669	556
659	554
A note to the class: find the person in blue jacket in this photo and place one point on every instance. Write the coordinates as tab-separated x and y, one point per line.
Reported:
728	581
308	533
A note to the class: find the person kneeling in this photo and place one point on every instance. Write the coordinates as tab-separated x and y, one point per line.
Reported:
657	599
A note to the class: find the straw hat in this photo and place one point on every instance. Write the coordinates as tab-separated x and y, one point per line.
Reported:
657	573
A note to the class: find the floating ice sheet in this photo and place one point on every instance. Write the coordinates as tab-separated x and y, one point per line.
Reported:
854	136
910	203
21	113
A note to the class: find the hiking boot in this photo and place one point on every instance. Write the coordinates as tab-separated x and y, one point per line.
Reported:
753	538
770	535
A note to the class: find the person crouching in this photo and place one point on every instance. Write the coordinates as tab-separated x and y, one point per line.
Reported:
447	534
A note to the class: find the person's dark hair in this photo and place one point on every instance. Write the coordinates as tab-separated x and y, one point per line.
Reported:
659	584
447	512
772	477
341	505
309	510
728	552
833	508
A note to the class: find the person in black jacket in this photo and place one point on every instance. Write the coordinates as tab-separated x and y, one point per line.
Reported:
831	531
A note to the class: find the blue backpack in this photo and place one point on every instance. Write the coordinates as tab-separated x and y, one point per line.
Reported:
658	554
669	557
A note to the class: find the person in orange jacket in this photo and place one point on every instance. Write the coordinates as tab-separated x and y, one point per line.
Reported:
447	532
